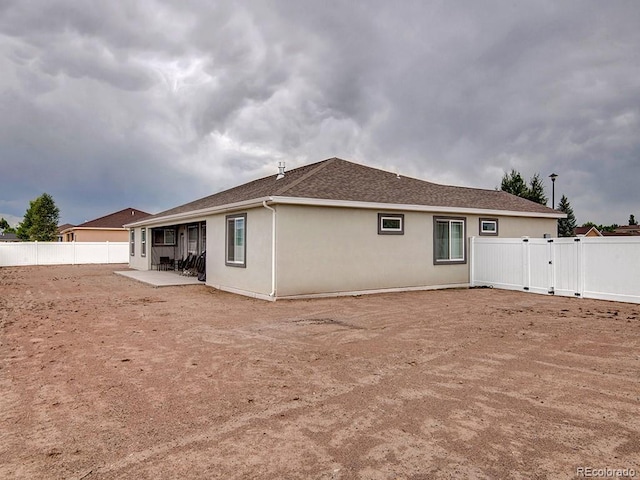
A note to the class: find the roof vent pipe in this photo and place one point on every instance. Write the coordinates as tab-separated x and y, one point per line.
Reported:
280	170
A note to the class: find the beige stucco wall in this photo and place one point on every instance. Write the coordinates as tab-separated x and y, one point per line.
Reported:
98	235
255	278
137	261
331	250
515	227
326	250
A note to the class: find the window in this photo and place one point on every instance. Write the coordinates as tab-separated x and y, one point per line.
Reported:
132	242
192	239
143	242
164	236
488	226
448	240
236	240
390	224
203	237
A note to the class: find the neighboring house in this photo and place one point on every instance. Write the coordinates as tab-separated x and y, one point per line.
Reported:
9	237
627	230
61	228
335	227
104	229
586	232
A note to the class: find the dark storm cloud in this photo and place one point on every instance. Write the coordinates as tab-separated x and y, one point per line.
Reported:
154	103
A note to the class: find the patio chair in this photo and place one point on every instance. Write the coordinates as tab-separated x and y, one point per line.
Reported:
166	263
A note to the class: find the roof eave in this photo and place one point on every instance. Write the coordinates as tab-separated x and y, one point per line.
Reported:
409	207
320	202
193	214
70	229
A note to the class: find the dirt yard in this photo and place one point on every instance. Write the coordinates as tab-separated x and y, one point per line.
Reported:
102	377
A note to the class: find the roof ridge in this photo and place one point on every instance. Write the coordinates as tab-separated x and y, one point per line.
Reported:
313	171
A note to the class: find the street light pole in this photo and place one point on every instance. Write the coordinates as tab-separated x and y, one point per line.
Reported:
553	177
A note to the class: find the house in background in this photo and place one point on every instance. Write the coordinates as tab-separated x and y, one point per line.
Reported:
335	228
109	228
9	237
61	228
586	232
625	230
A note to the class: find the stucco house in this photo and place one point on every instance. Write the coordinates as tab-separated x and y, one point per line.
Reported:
108	228
335	228
586	232
9	237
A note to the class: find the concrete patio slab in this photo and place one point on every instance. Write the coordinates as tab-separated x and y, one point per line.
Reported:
159	279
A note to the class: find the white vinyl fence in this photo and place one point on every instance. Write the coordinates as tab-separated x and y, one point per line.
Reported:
62	253
606	268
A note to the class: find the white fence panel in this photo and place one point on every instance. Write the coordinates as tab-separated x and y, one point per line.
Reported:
602	268
118	252
499	263
612	269
62	253
53	253
10	255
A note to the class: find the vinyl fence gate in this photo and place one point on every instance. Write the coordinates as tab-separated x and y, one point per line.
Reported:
605	268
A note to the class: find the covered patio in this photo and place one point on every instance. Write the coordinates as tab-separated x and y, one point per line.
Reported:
172	245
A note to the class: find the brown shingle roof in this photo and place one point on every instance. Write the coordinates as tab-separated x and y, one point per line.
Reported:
337	179
116	219
64	226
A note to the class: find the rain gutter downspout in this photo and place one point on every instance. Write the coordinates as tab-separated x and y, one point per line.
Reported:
273	248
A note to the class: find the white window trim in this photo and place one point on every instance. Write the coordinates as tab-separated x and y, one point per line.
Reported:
143	242
450	220
390	231
237	217
132	242
172	232
192	243
165	232
203	237
493	221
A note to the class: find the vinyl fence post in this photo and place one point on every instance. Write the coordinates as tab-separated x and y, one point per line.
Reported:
36	245
108	252
74	252
526	263
552	262
579	268
472	272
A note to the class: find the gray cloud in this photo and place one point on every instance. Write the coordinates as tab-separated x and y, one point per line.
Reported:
151	104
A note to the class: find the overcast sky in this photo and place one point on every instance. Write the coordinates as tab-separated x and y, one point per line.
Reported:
151	104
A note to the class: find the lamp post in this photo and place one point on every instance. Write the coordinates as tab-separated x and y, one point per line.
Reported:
553	177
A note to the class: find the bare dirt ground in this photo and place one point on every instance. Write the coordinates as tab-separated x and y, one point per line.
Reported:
102	377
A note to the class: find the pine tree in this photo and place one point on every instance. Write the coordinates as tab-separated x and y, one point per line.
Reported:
566	226
5	227
514	184
40	221
632	220
536	190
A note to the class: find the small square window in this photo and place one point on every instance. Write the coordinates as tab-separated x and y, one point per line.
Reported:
390	224
488	226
